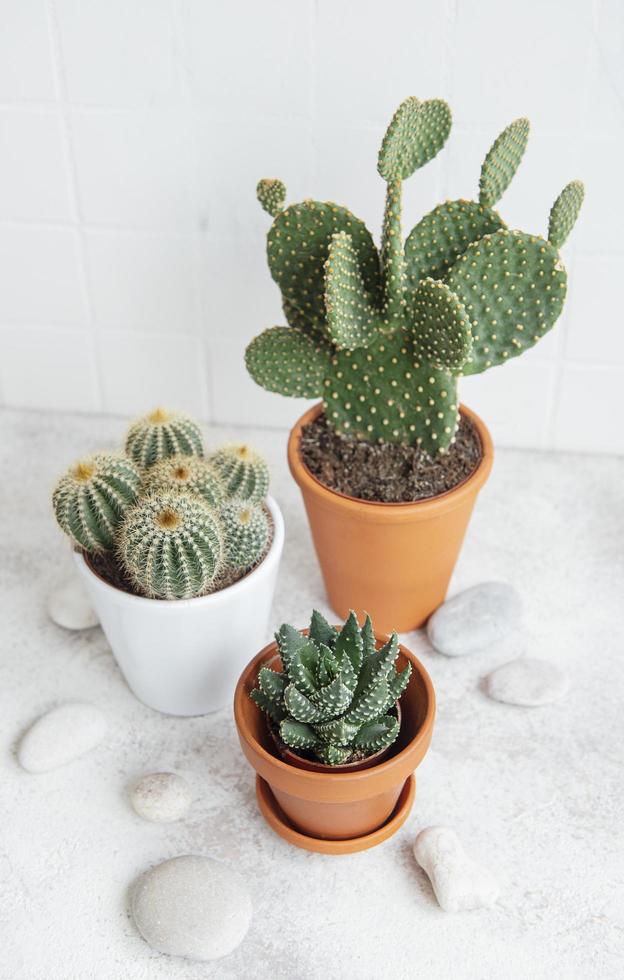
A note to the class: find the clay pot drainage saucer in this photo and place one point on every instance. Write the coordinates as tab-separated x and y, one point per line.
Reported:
277	820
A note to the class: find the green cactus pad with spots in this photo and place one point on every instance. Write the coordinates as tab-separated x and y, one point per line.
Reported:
502	161
272	194
513	287
285	360
387	393
441	327
350	317
298	248
295	318
438	240
564	213
417	132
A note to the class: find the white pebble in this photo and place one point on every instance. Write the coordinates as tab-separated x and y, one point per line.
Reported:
474	619
61	735
161	796
528	682
459	883
69	607
192	906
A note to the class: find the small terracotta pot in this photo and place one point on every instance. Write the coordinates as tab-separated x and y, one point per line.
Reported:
337	805
392	561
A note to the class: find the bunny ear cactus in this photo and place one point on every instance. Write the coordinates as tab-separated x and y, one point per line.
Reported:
334	698
93	496
382	337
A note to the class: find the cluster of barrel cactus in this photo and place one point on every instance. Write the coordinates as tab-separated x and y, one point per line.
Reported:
179	522
335	697
383	336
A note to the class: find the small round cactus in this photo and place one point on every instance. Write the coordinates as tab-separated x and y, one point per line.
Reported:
161	434
92	497
246	533
171	546
189	474
244	472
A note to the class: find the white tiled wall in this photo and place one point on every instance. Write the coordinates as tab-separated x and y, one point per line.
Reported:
132	134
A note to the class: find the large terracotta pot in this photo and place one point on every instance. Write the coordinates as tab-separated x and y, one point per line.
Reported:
349	802
393	561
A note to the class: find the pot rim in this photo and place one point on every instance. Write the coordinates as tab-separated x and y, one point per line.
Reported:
394	766
214	599
405	510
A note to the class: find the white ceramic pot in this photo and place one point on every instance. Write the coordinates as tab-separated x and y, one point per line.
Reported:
184	656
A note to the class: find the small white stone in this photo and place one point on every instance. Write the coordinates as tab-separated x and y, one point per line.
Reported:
527	681
61	735
459	883
161	796
69	606
192	906
474	619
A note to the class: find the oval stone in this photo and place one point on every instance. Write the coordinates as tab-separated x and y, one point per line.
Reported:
474	619
161	797
63	734
528	682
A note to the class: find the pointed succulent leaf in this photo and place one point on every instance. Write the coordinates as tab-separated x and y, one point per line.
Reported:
377	734
439	238
333	755
271	193
370	703
349	643
302	668
285	360
273	708
369	645
272	683
289	641
301	707
351	320
441	326
386	656
564	213
321	631
334	698
398	682
298	247
417	132
338	731
327	666
512	286
502	161
297	734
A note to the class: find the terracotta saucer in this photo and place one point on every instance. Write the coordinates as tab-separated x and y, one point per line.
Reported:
277	820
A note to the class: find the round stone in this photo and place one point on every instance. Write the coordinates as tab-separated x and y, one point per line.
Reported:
527	681
69	607
61	735
192	906
161	797
474	619
460	883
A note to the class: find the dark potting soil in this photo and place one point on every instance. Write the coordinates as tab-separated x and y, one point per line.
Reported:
387	473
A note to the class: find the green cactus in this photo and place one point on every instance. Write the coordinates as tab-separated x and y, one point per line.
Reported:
271	194
333	701
245	533
93	496
170	544
371	332
161	434
243	472
190	474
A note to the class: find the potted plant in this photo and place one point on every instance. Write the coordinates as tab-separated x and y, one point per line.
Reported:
390	463
334	721
179	552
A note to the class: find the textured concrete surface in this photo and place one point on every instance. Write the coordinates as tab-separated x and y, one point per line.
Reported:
537	795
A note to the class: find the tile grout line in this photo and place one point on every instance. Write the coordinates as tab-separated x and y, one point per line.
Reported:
72	184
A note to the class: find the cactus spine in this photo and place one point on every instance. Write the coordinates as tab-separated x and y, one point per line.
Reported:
334	698
93	496
161	434
383	337
190	474
243	472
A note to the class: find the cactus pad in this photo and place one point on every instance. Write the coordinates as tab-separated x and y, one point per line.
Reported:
564	213
246	533
298	248
502	161
285	360
512	286
441	327
161	434
170	545
243	472
350	317
92	497
190	474
417	132
438	240
272	195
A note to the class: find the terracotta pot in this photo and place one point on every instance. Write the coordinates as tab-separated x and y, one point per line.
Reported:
337	805
393	561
